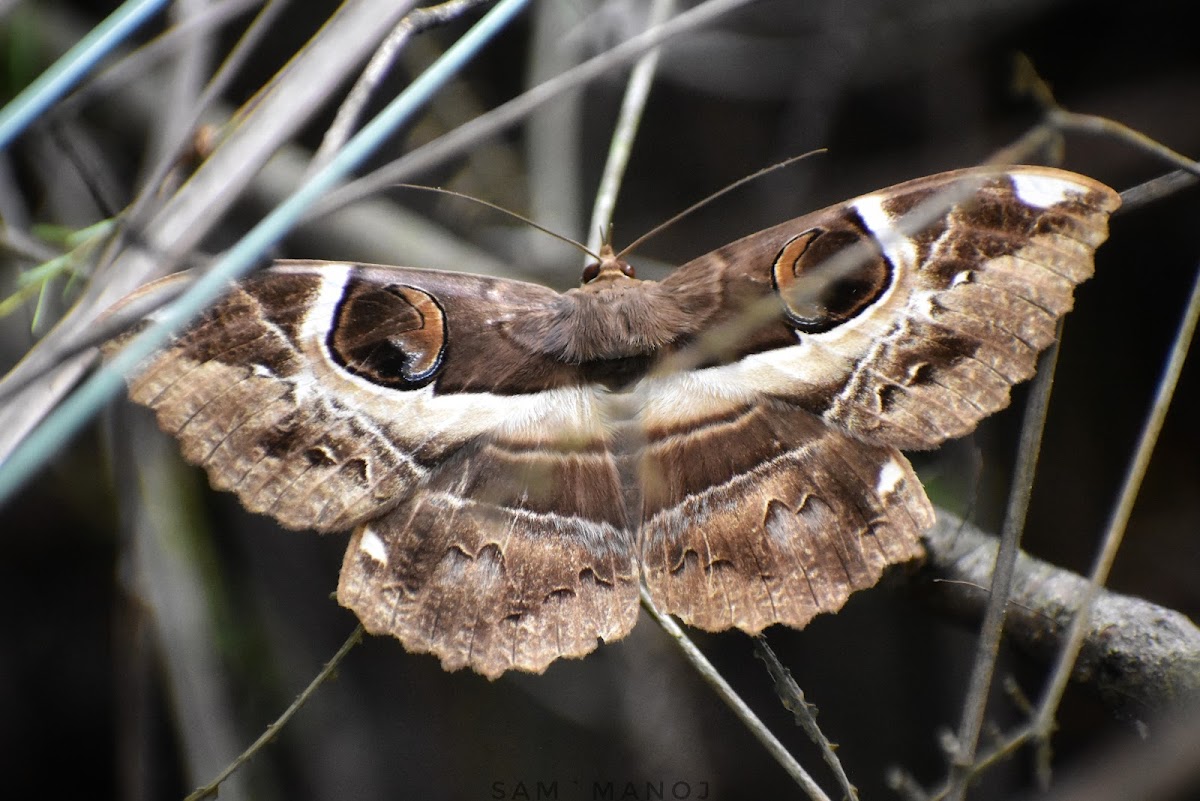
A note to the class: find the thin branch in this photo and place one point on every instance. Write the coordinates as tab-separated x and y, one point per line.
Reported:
905	784
792	698
727	694
988	646
1156	189
633	105
210	790
185	72
1120	517
145	59
141	207
377	68
1065	120
1057	120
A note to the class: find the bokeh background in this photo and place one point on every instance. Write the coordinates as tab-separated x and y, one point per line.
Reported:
134	666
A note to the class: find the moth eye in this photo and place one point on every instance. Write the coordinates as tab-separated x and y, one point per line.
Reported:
393	335
590	272
627	268
819	294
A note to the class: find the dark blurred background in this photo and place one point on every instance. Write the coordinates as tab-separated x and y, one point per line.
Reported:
115	683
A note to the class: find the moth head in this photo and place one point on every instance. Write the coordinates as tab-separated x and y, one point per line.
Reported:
609	267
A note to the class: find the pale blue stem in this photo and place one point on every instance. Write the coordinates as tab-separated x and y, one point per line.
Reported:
69	70
78	409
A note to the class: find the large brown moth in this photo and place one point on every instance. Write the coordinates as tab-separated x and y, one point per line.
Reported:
514	461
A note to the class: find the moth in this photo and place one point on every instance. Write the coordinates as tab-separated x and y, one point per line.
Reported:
514	461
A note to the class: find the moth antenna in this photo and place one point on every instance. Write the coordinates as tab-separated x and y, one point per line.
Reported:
705	201
578	245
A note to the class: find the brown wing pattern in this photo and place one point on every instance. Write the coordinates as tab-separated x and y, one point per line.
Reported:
490	527
503	513
920	340
767	515
308	392
510	557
